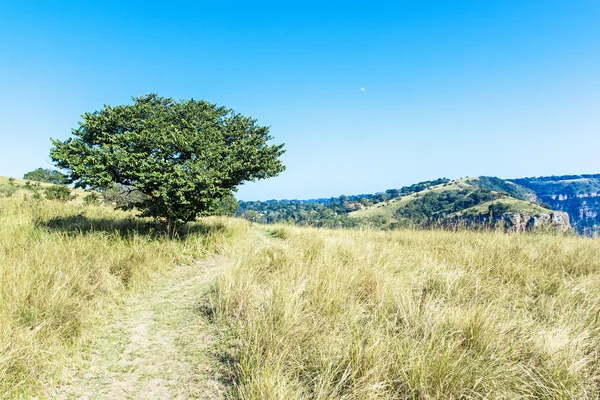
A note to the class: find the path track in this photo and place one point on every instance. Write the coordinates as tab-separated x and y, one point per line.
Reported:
153	346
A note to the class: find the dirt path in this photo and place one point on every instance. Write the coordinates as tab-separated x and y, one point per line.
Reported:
153	346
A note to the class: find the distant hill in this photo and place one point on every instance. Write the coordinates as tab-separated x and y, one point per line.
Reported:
331	212
471	201
27	189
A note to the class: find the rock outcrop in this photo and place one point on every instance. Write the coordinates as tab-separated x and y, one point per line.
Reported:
522	222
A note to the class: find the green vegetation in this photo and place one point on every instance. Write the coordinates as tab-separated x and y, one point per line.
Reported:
567	184
182	156
502	205
503	186
417	314
46	175
464	202
438	202
228	205
58	192
436	206
577	195
330	213
91	199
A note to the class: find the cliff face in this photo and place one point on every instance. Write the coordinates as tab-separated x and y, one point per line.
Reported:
522	222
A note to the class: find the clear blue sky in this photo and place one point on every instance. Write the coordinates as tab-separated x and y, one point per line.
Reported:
508	88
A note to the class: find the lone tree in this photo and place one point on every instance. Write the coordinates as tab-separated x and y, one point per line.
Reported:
183	156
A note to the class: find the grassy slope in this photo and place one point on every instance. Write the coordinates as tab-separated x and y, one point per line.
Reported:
326	314
59	262
23	192
516	205
388	208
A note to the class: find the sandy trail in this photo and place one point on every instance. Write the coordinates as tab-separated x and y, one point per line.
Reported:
154	345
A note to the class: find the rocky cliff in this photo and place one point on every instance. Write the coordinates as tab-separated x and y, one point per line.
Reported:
522	222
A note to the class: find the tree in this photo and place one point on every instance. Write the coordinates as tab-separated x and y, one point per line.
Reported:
365	202
183	156
228	205
393	193
496	210
46	175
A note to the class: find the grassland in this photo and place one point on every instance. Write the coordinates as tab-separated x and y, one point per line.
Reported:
60	263
412	314
24	189
310	313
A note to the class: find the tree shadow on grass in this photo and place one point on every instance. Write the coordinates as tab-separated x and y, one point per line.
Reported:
126	227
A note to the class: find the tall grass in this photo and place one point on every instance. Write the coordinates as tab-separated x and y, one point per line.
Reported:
60	261
412	314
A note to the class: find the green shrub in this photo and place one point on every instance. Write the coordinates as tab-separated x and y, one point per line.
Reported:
33	186
92	199
60	193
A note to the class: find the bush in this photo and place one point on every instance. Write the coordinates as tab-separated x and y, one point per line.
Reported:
496	210
92	199
7	190
60	193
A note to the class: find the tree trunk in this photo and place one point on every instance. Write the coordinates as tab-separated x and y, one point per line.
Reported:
169	226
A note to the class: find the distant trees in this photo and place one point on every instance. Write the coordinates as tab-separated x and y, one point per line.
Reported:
419	187
325	212
433	205
46	175
393	193
365	202
184	157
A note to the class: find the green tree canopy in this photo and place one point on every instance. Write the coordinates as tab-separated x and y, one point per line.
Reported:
45	175
184	156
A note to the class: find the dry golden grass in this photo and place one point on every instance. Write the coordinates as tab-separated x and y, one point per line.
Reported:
309	313
327	314
61	261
